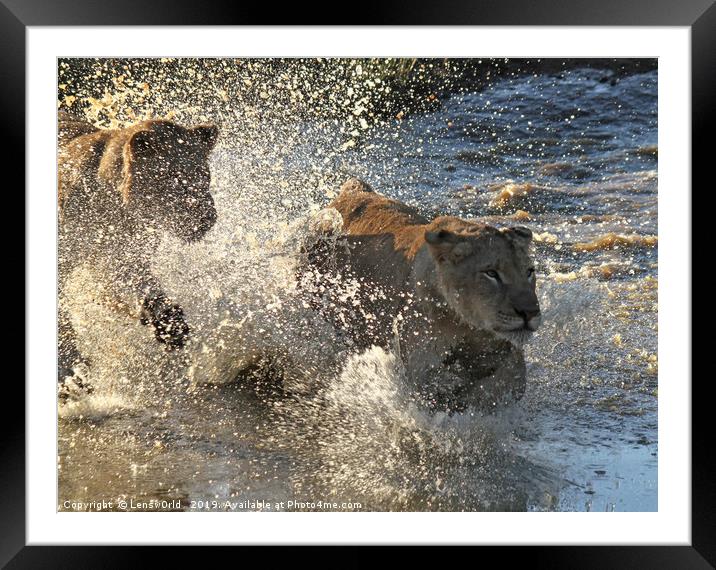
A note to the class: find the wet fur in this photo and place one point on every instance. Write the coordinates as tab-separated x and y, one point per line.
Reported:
118	190
453	327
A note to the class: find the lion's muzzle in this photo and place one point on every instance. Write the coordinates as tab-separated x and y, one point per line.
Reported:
532	318
201	220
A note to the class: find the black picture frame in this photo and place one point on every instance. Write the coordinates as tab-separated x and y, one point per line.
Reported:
699	15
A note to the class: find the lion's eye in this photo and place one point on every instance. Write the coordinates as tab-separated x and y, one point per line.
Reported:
492	274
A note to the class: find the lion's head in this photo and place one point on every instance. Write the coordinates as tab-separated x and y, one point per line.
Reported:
161	170
486	276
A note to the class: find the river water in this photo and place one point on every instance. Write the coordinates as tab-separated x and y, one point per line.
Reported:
572	156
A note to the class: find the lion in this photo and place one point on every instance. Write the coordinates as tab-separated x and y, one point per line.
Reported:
118	191
458	298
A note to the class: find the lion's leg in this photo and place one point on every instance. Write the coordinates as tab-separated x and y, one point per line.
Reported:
67	352
68	355
483	382
135	292
72	366
506	385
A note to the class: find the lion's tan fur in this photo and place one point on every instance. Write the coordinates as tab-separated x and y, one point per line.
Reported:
104	156
437	290
366	213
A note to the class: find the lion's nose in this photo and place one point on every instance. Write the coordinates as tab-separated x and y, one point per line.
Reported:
531	316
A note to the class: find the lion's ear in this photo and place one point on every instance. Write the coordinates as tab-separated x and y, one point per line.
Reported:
205	136
441	238
447	246
143	144
519	234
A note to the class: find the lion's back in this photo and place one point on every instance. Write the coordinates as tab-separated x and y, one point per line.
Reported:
366	212
372	264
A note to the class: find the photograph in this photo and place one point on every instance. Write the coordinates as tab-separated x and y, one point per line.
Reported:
357	284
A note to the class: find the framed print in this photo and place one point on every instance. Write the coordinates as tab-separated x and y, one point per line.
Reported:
421	283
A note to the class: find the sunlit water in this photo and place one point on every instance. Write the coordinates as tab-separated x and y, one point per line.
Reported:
572	157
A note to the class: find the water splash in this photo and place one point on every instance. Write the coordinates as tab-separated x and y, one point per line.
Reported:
347	429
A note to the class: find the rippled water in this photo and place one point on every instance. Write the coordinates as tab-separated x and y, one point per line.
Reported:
572	156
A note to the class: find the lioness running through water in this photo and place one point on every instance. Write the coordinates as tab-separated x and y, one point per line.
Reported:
459	296
118	190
